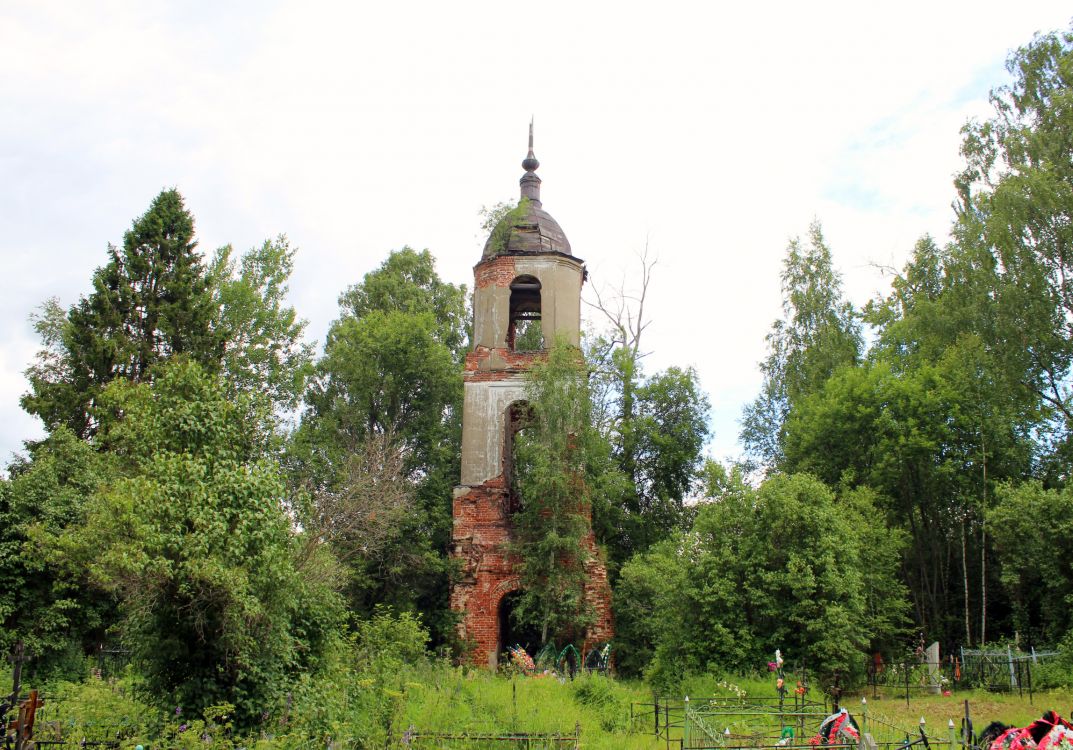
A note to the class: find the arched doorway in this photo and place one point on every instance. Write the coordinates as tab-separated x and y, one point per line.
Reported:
513	633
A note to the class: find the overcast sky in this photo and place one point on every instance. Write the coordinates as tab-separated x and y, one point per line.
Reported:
712	132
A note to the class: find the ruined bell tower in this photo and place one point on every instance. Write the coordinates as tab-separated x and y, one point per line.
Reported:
527	292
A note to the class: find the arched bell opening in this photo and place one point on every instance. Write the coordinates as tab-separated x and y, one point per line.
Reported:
525	331
518	417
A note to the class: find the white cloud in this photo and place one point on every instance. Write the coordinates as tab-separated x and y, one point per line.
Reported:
716	131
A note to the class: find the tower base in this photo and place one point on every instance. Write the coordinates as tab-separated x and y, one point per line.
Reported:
481	537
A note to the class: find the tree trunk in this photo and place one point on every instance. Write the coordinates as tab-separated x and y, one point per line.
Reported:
629	447
983	550
965	581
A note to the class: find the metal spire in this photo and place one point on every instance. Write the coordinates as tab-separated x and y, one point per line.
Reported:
530	182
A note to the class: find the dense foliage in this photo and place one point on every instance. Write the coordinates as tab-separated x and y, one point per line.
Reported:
192	538
909	466
656	426
154	516
961	403
43	602
389	384
780	566
151	300
819	334
554	457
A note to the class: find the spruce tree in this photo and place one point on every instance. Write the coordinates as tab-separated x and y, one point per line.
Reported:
149	301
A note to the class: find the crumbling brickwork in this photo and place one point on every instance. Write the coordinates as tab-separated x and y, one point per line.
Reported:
496	272
482	531
535	268
484	363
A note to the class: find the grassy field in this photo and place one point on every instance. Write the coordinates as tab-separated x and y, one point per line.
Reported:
603	707
984	707
608	713
474	702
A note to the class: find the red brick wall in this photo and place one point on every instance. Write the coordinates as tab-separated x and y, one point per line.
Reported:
496	272
514	361
482	531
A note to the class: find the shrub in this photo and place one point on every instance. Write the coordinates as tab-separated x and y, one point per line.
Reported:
611	701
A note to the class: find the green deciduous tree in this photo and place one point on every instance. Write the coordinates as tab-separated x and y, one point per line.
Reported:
935	415
391	368
782	566
555	458
1016	204
943	415
264	352
154	299
818	334
387	370
882	548
43	601
391	363
915	437
407	282
670	430
646	607
656	425
1033	532
194	540
656	454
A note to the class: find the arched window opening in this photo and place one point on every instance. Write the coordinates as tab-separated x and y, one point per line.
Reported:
524	332
519	416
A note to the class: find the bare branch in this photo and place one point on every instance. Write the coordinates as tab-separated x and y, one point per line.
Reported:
362	518
624	309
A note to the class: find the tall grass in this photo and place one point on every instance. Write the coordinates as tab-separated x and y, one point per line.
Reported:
359	708
454	700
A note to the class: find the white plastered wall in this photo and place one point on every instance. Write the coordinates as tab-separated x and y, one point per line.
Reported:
560	301
484	411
